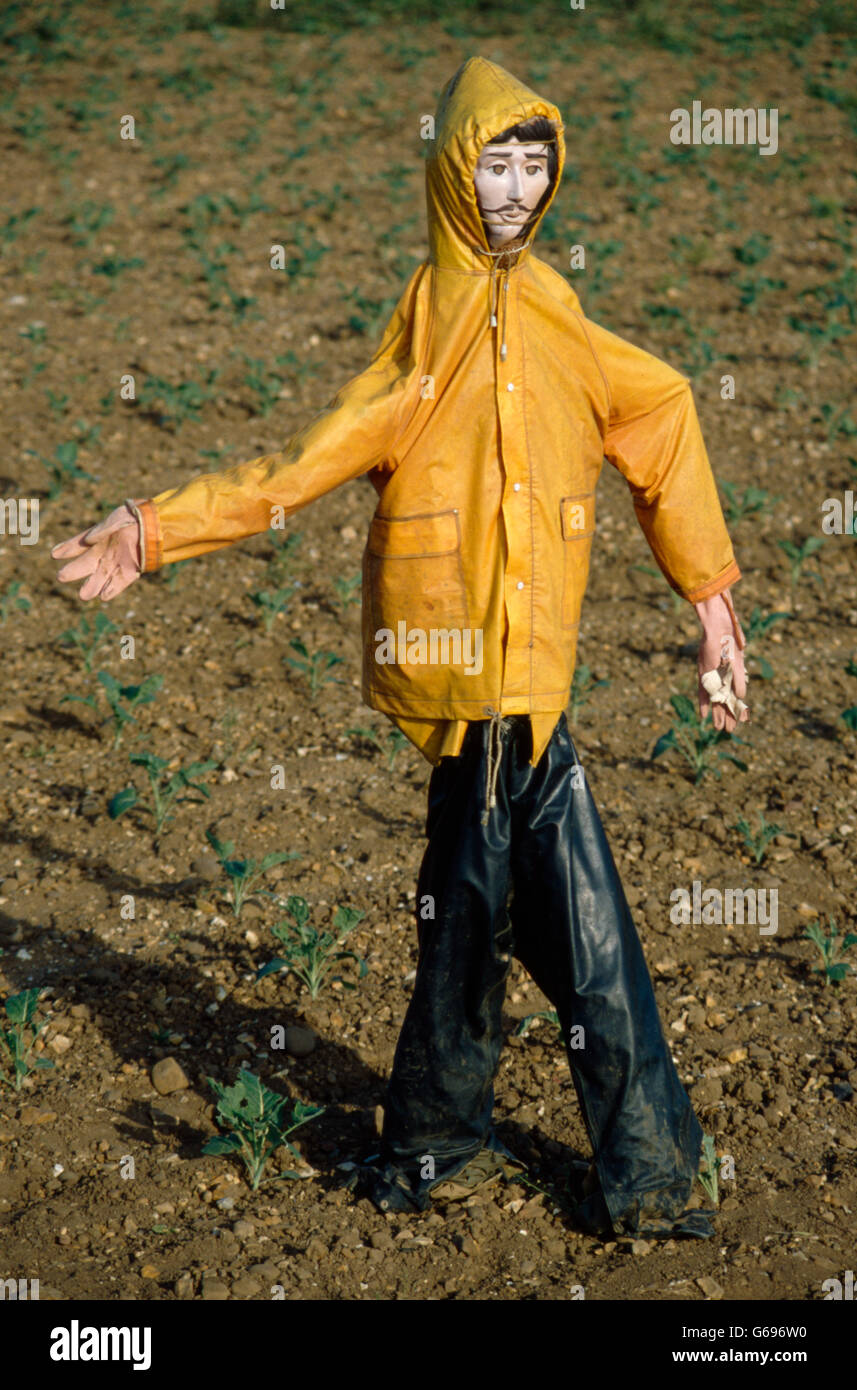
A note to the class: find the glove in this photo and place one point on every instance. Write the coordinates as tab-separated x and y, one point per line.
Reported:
108	555
722	678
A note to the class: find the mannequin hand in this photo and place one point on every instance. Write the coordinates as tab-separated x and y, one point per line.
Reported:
722	678
107	555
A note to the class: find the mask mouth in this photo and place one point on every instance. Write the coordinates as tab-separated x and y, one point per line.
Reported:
524	228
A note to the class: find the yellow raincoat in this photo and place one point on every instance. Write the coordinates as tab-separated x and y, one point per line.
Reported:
483	421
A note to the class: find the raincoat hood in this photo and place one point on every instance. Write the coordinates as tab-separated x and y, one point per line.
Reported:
479	102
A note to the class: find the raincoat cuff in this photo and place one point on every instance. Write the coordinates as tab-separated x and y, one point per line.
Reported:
722	581
151	544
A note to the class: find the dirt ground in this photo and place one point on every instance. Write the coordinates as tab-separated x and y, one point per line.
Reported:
151	257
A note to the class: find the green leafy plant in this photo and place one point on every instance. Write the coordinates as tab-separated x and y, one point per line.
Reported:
315	666
697	740
583	687
243	873
347	591
752	287
165	790
753	500
172	572
62	467
837	419
831	950
265	384
757	841
284	553
391	744
57	403
88	637
258	1121
173	405
850	715
114	266
371	313
757	626
549	1015
798	555
310	952
15	1045
12	598
821	335
269	603
117	697
709	1170
11	229
756	248
87	220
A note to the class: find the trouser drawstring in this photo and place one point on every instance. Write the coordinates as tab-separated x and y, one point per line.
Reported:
495	753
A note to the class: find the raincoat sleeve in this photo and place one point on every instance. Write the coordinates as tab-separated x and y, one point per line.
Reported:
352	435
653	437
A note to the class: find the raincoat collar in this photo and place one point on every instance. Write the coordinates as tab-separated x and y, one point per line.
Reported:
478	102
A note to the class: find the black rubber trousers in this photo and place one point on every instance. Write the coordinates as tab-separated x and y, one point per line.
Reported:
538	882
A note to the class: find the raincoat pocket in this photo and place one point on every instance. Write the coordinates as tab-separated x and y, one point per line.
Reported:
414	571
577	514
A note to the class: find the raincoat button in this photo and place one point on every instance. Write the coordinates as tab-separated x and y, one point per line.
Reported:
510	386
516	487
520	584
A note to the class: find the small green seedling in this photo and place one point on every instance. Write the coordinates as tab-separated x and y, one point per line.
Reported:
798	555
835	969
270	603
62	467
164	790
709	1170
265	384
392	743
117	697
758	625
583	687
284	552
310	953
550	1016
171	573
10	599
347	592
837	419
850	715
243	873
258	1121
753	501
820	334
757	841
697	740
57	403
315	666
171	405
88	637
15	1046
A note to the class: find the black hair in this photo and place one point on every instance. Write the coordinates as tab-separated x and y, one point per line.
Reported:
536	131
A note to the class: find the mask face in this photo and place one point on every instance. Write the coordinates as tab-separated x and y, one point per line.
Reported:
509	181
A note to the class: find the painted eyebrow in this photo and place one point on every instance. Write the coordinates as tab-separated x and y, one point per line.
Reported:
504	154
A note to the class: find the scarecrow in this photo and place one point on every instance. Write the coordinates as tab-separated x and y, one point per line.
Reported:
483	421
